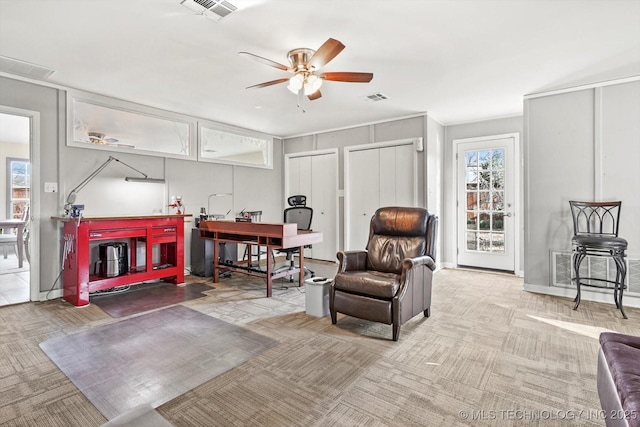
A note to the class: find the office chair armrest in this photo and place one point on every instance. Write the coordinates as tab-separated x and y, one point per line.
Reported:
425	260
352	260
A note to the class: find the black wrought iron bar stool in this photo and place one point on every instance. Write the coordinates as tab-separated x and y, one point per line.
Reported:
595	233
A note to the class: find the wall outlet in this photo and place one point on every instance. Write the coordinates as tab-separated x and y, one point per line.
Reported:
50	187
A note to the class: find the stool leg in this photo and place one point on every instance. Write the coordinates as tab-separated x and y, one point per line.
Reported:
577	260
621	274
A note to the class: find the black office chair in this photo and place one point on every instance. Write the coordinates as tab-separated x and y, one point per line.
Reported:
595	233
302	215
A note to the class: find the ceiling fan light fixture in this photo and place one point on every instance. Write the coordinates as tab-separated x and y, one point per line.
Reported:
295	83
312	84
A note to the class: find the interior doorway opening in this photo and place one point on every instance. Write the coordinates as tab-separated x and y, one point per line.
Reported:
16	180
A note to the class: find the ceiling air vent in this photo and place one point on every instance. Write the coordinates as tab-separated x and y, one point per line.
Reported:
375	97
22	68
213	9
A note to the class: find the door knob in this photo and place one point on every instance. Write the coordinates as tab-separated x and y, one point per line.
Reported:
509	214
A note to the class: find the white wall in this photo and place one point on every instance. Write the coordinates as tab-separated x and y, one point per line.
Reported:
580	145
109	194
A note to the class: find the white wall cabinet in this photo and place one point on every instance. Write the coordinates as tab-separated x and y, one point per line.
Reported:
315	175
377	175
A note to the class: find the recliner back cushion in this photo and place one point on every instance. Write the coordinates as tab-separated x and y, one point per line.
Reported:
387	252
396	233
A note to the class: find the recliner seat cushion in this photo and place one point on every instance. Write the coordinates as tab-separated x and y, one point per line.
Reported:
372	283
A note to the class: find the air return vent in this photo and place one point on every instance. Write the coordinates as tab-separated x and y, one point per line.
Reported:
375	97
213	9
562	270
22	68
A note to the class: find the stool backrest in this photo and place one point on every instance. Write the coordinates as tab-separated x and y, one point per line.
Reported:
595	218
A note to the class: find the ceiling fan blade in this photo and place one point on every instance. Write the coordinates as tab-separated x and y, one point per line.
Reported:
329	50
269	83
314	95
341	76
265	61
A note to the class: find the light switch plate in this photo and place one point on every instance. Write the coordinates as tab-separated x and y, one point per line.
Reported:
50	187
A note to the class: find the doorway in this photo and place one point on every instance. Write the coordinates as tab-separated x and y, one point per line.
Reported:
487	214
16	183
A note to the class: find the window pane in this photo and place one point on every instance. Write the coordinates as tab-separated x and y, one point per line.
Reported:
471	158
19	180
484	159
484	221
497	179
472	200
472	220
472	179
498	200
484	179
497	159
497	244
485	201
498	222
484	242
472	245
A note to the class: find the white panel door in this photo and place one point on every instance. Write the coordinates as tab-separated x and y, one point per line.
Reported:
293	176
364	195
486	204
324	176
404	179
388	176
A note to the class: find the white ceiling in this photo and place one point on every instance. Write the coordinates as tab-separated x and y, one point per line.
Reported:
458	60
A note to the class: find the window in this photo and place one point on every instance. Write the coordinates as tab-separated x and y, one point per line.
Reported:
18	186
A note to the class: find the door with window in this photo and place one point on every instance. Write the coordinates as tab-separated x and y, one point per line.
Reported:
486	203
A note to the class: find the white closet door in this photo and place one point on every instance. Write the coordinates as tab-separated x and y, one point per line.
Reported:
388	176
364	195
304	186
404	180
323	189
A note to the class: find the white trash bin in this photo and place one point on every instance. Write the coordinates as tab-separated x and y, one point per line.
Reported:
317	296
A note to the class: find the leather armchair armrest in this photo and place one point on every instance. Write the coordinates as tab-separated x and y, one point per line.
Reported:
425	260
352	260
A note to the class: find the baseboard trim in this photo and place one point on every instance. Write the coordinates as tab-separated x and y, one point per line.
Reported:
587	294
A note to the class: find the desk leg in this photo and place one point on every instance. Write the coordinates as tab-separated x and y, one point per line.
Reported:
20	245
269	271
301	262
216	261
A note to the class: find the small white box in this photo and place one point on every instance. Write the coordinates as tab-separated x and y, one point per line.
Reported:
317	296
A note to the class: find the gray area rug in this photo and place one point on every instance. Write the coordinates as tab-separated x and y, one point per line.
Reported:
152	358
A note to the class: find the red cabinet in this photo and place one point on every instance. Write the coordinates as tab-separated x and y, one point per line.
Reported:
166	231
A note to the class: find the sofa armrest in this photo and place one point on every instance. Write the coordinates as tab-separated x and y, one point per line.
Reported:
352	260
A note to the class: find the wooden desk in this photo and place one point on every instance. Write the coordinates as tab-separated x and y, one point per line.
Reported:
167	231
19	225
273	236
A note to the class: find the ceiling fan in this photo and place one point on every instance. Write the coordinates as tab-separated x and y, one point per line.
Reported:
305	64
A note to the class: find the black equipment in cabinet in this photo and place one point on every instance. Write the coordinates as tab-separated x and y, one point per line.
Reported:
202	254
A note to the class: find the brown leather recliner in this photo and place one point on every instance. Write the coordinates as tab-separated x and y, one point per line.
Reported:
390	282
